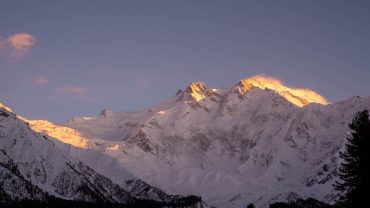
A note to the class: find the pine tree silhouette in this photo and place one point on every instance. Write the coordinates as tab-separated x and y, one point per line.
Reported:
354	170
250	205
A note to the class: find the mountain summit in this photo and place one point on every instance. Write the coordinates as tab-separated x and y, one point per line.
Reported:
197	91
299	97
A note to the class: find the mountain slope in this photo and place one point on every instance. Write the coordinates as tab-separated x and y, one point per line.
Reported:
256	142
32	167
35	159
13	185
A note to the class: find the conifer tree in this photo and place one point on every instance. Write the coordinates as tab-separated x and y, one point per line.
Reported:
251	205
354	170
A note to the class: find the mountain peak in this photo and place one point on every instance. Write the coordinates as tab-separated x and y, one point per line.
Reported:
196	90
299	97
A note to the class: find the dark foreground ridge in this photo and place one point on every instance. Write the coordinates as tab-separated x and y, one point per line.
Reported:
53	202
302	203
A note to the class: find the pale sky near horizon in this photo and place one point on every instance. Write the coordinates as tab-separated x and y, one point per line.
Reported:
60	59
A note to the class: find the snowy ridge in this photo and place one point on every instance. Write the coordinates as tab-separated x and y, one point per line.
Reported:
299	97
65	134
250	143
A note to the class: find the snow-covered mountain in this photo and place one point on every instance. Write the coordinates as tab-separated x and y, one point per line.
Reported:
255	142
34	166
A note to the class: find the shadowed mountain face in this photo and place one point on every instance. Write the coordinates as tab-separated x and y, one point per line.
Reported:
256	142
33	168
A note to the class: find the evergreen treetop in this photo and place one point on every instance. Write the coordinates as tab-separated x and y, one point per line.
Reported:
354	171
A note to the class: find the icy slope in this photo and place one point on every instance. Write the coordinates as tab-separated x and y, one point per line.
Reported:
256	142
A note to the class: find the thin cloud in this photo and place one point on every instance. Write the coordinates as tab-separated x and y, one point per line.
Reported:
41	80
71	90
79	93
17	45
21	40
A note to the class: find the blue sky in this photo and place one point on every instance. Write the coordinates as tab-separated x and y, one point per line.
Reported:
83	56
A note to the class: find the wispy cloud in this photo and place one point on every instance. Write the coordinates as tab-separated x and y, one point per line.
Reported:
80	93
41	80
71	90
17	45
